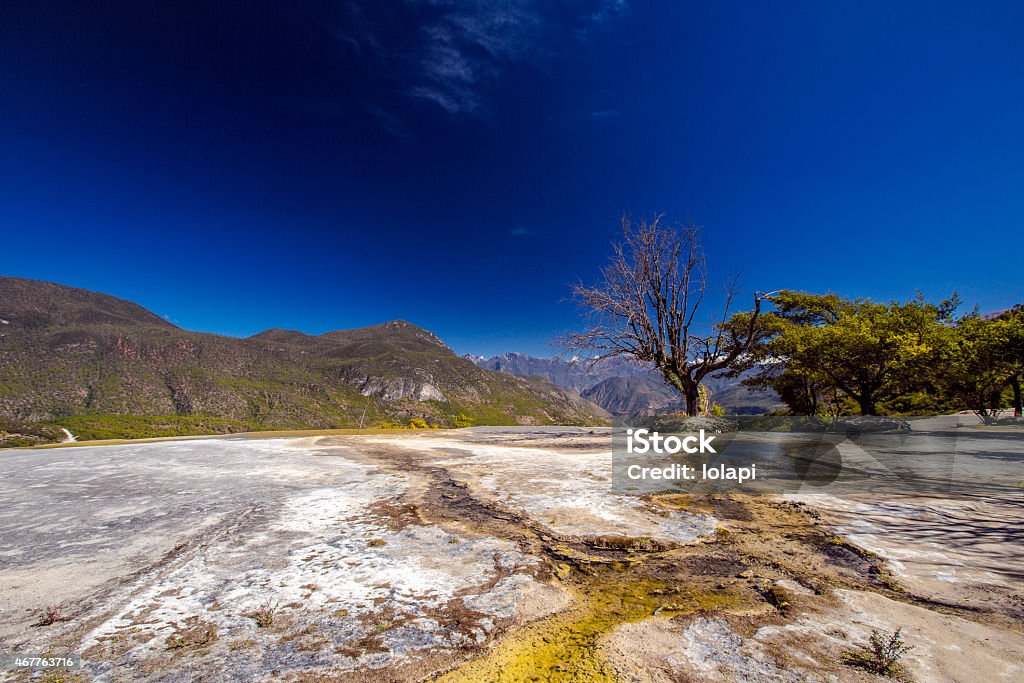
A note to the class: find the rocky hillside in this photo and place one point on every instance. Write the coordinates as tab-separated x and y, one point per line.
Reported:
624	388
68	353
633	395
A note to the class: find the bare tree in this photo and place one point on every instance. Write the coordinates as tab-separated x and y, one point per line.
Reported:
646	305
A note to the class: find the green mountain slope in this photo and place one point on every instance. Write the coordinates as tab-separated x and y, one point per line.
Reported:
76	358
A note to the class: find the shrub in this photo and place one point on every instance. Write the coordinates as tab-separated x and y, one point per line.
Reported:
51	614
463	420
882	655
418	423
193	634
778	598
263	615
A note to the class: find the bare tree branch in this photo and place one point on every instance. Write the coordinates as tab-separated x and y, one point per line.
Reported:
646	305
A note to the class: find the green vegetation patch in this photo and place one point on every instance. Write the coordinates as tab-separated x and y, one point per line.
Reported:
92	427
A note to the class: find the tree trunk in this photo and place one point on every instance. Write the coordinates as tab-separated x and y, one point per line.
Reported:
692	400
1015	383
812	398
685	385
867	405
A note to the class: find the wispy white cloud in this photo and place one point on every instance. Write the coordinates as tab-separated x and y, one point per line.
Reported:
609	11
466	47
456	51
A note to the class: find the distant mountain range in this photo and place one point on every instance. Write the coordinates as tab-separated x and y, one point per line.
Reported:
91	361
578	375
624	388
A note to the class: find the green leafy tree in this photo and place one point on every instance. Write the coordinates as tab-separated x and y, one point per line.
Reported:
1015	350
822	349
788	366
978	364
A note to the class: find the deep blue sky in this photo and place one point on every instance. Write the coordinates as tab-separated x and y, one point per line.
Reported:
239	166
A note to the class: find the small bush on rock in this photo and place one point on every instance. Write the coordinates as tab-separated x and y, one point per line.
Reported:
882	655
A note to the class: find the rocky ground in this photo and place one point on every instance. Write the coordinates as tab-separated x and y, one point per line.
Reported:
488	554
